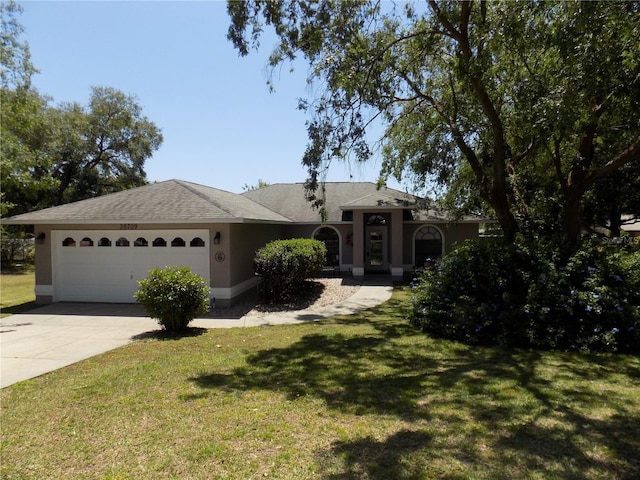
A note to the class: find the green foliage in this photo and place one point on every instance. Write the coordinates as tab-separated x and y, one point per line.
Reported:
15	245
15	56
261	184
532	294
58	154
505	103
285	264
173	296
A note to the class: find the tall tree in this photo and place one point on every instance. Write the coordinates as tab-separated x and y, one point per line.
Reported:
15	56
101	148
23	124
57	154
493	95
25	164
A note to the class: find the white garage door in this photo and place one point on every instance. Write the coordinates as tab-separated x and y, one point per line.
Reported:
105	265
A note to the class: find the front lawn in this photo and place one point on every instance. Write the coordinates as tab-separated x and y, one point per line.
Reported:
17	291
357	397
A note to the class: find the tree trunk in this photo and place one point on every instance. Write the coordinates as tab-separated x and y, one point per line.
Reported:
615	220
572	223
507	221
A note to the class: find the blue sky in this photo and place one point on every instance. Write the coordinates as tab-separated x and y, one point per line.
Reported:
221	125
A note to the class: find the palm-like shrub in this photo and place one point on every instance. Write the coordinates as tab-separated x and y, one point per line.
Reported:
173	296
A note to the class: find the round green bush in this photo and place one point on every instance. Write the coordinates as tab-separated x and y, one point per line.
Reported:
284	265
173	296
532	295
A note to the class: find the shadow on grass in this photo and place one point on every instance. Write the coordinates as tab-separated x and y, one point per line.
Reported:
531	410
375	459
165	335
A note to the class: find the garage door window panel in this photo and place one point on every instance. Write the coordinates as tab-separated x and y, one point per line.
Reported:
141	242
197	242
68	242
178	242
122	242
104	242
86	242
159	242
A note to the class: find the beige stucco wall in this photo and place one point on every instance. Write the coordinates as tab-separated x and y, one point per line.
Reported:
245	240
231	261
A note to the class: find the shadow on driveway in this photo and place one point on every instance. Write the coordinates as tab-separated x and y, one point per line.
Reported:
90	309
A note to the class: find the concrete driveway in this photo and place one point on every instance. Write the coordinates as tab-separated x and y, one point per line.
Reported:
57	335
60	334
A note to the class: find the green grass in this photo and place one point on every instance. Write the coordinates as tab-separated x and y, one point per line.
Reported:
17	291
356	397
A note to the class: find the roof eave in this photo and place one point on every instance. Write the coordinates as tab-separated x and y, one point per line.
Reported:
129	221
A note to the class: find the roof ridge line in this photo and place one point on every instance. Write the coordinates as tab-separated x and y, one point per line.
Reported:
212	201
188	186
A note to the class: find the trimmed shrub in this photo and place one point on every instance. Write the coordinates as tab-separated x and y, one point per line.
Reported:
532	295
284	265
173	296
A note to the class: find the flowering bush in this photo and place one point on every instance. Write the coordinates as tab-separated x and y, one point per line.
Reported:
173	296
531	295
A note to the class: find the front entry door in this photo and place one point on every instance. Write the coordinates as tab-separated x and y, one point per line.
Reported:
376	248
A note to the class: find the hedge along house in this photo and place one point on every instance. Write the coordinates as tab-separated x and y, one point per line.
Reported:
96	250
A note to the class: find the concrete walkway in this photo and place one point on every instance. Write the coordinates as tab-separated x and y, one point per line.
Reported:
57	335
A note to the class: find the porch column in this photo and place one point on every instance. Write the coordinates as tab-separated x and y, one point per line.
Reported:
397	269
358	244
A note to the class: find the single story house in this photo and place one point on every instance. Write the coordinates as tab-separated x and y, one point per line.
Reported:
631	225
96	250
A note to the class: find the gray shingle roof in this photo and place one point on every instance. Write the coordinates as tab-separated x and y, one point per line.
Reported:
289	200
177	201
172	201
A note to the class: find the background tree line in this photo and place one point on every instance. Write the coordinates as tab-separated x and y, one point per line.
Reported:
53	154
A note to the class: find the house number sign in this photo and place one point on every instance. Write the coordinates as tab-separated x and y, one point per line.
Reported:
219	256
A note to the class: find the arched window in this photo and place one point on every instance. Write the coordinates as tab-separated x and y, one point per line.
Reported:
68	242
376	219
86	242
104	242
178	242
122	242
141	242
428	245
159	242
197	242
331	240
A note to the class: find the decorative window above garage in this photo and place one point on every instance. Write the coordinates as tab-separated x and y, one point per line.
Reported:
197	242
159	242
141	242
178	242
122	242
